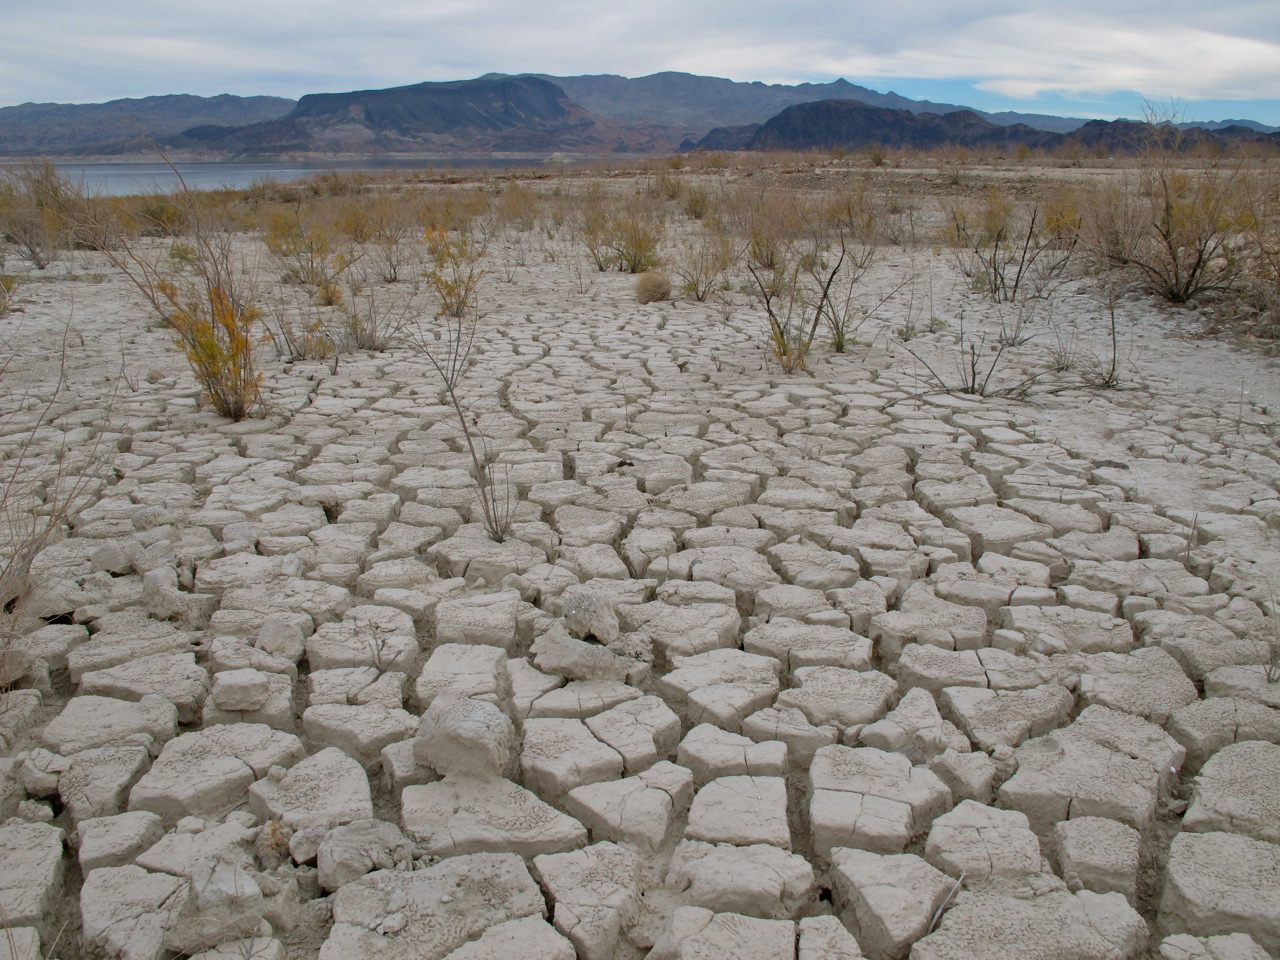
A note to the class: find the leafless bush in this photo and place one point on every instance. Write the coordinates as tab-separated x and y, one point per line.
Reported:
8	290
1016	330
209	303
796	293
377	319
44	481
1006	258
1103	372
1064	349
299	331
975	364
702	265
448	345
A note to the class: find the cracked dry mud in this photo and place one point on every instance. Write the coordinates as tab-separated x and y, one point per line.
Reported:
766	670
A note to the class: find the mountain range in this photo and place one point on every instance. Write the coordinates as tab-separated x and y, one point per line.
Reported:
535	115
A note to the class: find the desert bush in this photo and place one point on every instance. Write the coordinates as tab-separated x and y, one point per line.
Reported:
697	202
856	213
666	186
652	286
455	272
703	264
975	364
310	249
769	222
374	319
1180	227
299	332
1199	216
518	206
635	232
8	290
213	323
154	215
1103	372
796	293
208	302
1005	256
452	209
38	207
593	231
449	347
388	232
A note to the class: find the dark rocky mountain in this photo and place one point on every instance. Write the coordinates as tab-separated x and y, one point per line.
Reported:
1222	124
849	124
698	104
489	115
531	114
44	128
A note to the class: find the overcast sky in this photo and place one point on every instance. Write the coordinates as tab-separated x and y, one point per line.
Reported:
1094	58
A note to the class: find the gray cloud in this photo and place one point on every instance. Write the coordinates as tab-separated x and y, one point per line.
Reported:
1021	49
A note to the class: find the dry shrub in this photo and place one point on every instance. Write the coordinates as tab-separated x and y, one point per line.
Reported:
214	327
518	206
309	245
1181	226
703	264
653	286
208	302
455	272
8	290
1006	252
377	319
39	211
593	216
299	332
697	202
635	232
44	481
768	221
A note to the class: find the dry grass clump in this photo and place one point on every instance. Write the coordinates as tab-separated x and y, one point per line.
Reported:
208	300
310	249
703	265
9	284
1181	225
621	233
653	286
1008	252
42	212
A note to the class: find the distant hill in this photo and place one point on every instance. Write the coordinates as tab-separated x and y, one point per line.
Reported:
700	103
1221	124
489	115
850	124
697	104
45	128
536	114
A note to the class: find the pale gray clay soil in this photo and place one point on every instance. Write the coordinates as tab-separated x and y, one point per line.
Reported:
811	666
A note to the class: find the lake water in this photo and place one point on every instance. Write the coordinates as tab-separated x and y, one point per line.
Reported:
121	179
